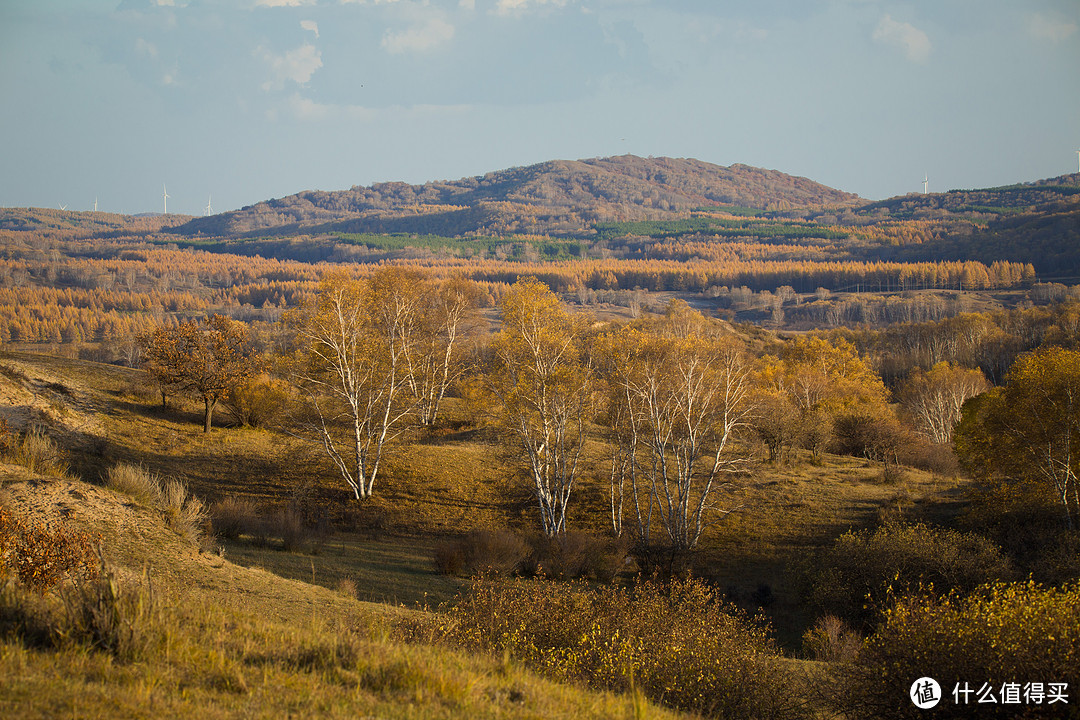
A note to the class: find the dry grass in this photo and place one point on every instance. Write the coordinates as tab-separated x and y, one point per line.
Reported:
459	478
37	452
214	640
183	512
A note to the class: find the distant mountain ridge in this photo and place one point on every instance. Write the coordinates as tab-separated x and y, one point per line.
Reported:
558	197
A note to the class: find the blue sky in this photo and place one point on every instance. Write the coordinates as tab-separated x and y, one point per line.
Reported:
238	101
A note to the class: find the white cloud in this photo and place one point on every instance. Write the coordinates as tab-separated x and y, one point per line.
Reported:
505	7
283	3
307	109
419	38
311	26
1043	28
467	4
365	2
902	35
296	65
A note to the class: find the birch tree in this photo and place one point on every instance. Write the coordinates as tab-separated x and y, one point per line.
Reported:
449	316
934	399
1030	429
541	375
680	393
355	340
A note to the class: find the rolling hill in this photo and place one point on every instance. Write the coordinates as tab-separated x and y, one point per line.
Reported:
553	198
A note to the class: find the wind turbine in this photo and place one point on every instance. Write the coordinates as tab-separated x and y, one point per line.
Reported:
1078	158
62	207
209	209
165	198
925	182
95	204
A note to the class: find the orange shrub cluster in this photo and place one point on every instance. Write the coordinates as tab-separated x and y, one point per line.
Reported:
679	643
41	556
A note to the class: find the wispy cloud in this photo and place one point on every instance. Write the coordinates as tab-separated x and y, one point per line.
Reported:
1053	29
505	7
308	110
905	36
310	26
427	35
145	48
283	3
296	65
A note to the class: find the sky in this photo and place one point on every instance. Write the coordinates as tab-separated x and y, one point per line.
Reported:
229	102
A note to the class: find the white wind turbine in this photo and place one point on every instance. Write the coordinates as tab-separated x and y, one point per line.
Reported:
95	204
925	182
62	207
165	198
209	208
1078	159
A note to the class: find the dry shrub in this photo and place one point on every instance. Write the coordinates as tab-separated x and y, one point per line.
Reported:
234	516
449	557
111	615
41	556
856	577
136	481
37	452
347	587
1002	632
482	551
936	458
293	532
183	512
257	402
575	554
288	526
679	644
832	640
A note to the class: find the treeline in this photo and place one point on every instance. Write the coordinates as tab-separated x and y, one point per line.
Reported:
988	341
804	276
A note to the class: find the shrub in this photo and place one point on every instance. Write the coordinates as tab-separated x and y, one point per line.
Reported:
109	614
183	512
257	402
136	481
679	644
1002	632
233	517
41	556
288	526
855	577
37	452
574	554
482	551
877	437
832	640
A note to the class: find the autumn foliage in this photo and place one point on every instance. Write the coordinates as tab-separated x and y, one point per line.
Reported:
206	359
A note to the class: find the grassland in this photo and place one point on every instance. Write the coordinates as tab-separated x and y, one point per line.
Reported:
454	480
246	628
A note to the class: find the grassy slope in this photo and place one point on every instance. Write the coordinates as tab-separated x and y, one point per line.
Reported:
228	641
454	481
